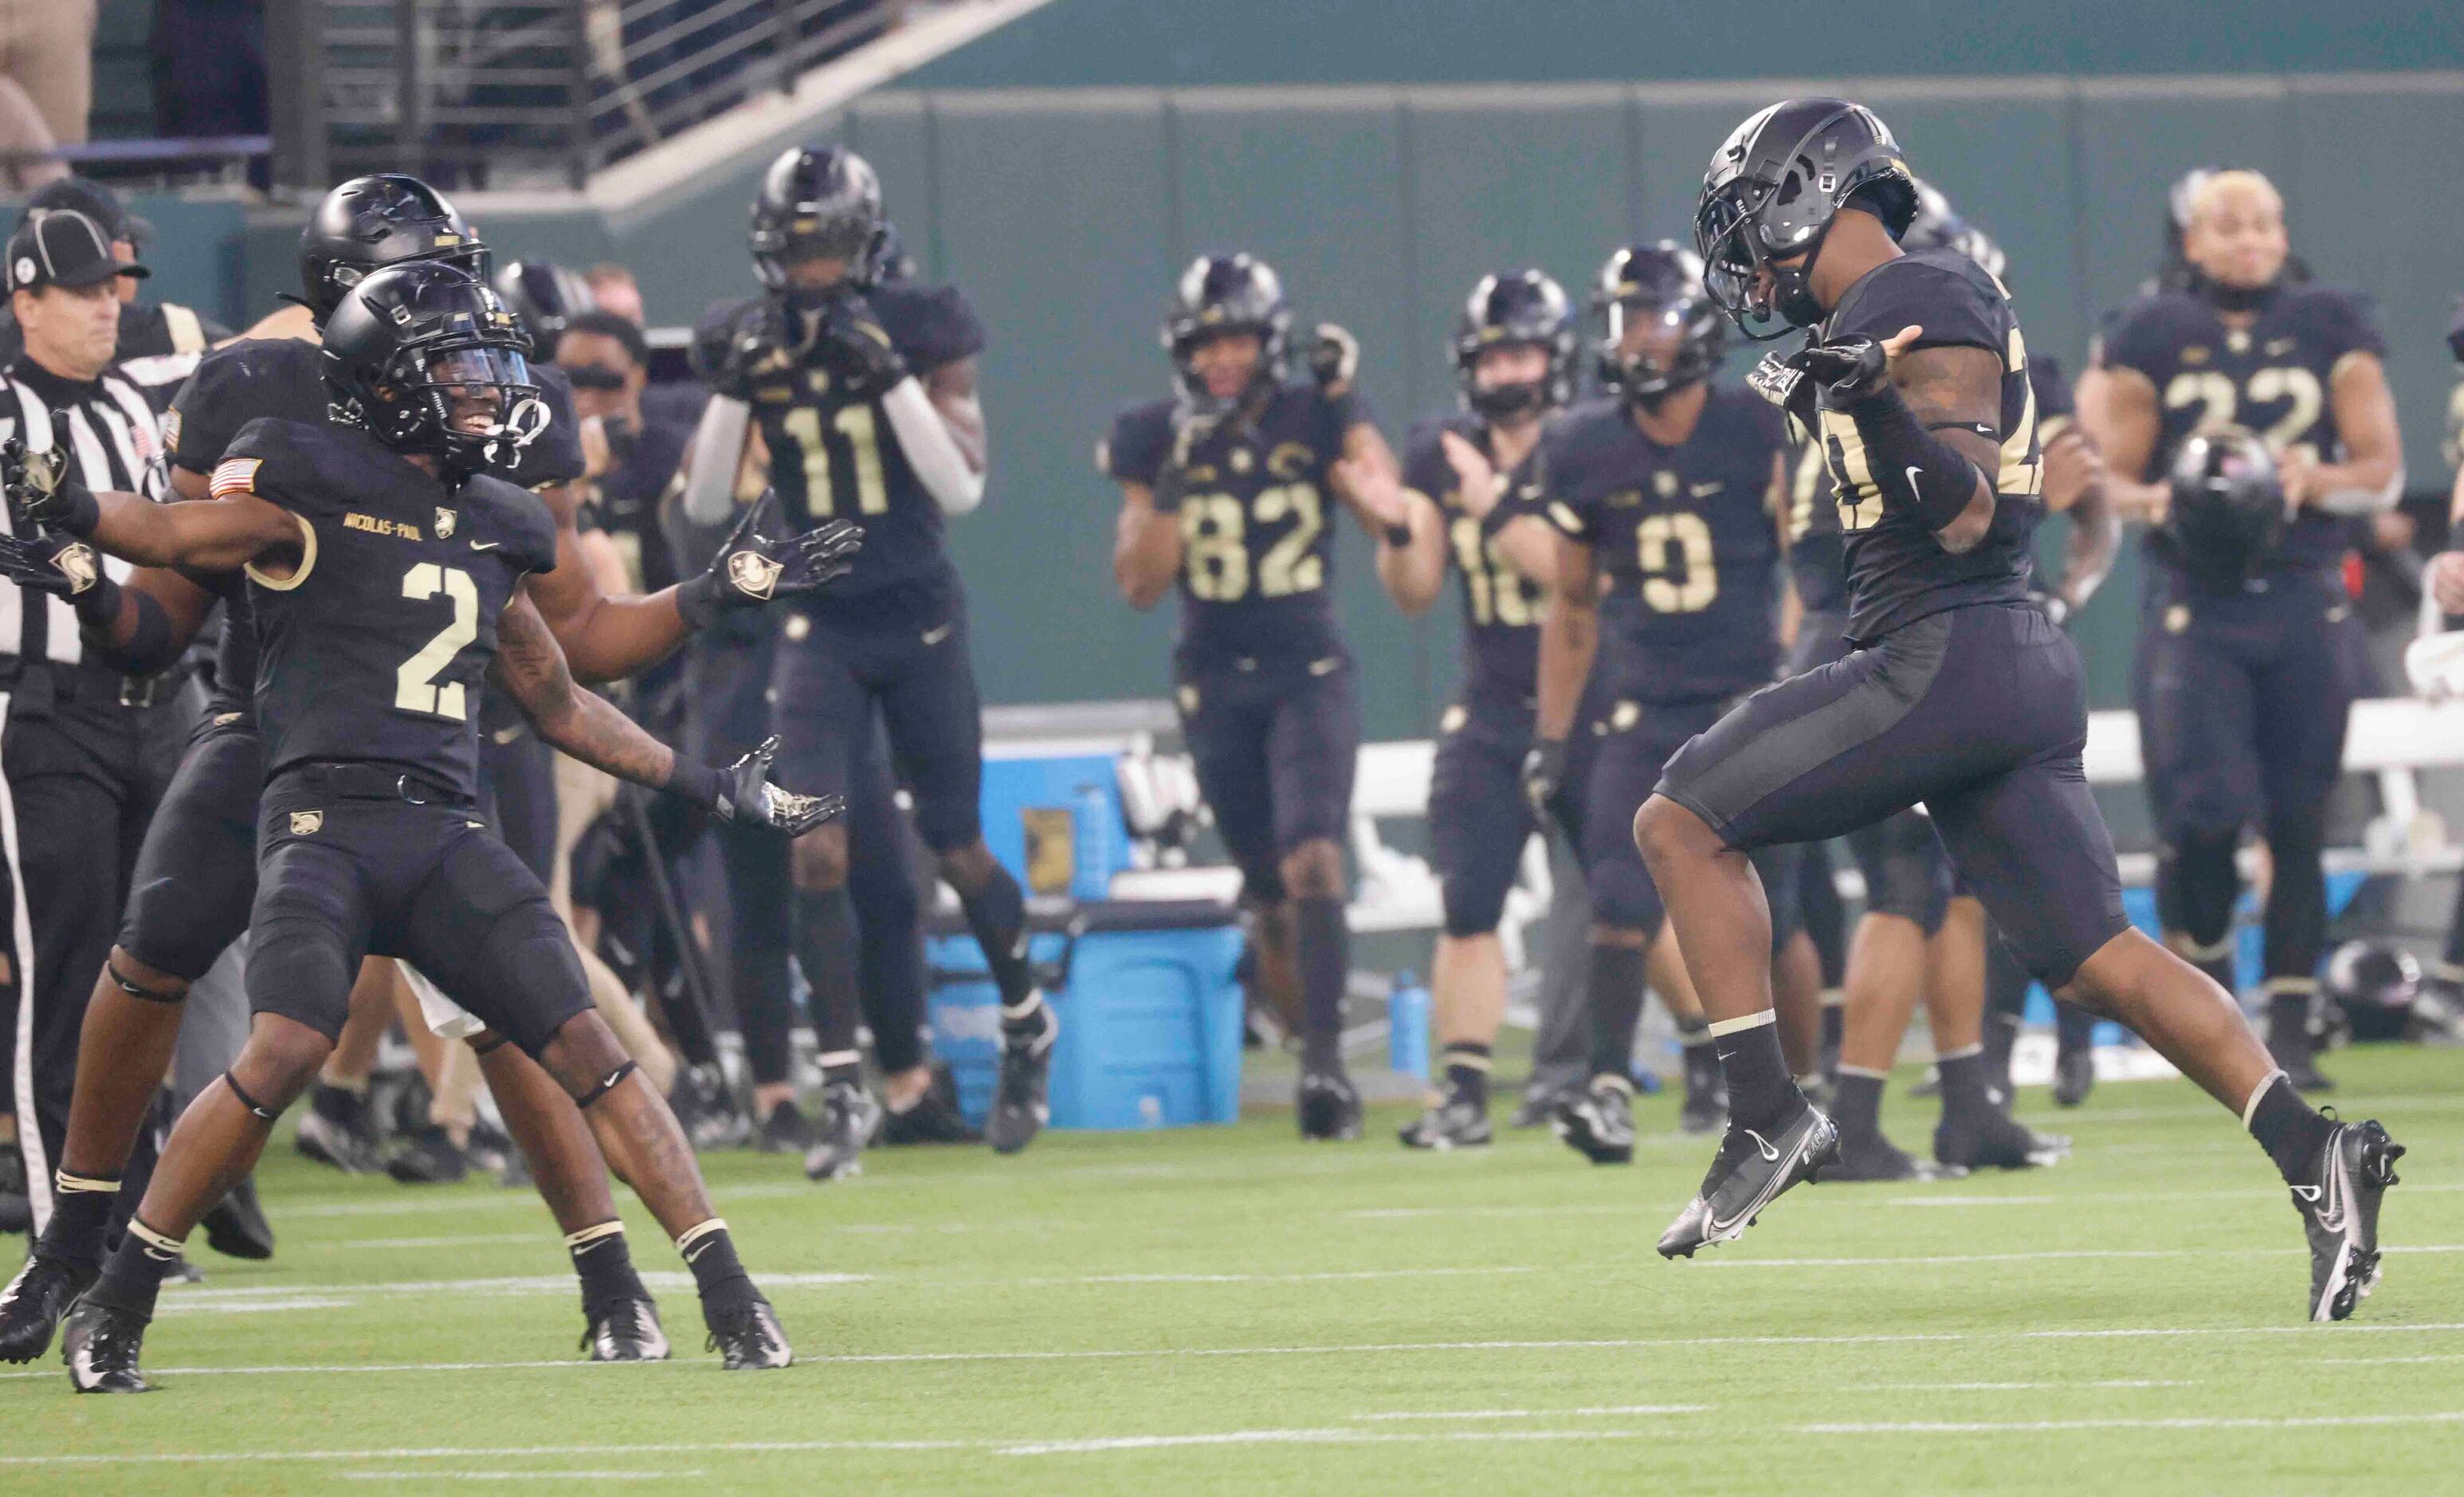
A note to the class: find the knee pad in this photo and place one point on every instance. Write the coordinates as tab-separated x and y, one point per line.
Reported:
1624	895
1907	874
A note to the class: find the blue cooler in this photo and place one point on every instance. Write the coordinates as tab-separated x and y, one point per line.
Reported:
1149	1012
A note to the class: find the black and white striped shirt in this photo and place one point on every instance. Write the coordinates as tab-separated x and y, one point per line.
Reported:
111	431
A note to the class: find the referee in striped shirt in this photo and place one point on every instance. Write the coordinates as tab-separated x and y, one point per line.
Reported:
72	723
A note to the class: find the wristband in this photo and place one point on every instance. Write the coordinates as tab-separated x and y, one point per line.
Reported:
1398	536
691	780
83	512
1916	471
100	604
698	601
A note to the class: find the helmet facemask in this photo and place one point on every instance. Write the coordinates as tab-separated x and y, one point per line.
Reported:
473	404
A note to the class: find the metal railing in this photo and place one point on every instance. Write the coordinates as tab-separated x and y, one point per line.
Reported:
514	93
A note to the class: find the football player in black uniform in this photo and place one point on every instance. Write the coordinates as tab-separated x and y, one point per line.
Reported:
1223	491
1666	495
385	564
196	873
2247	666
862	393
1514	358
1964	696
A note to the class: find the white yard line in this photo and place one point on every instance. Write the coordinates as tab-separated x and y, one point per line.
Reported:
1617	1409
2097	1196
1347	1349
2186	1421
516	1476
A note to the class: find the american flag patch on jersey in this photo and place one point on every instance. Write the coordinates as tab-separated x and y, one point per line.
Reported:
236	475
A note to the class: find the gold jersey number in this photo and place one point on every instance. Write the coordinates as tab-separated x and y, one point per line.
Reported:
416	688
2216	398
1215	544
1498	594
1679	573
856	424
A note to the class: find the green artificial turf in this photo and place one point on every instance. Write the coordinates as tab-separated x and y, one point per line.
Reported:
1230	1310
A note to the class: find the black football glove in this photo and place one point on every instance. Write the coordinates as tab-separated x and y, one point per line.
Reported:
751	569
50	562
1544	773
1776	377
42	490
748	796
858	350
1333	357
1850	369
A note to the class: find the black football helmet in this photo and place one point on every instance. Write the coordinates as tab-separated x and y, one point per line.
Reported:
890	263
2227	513
543	297
1938	226
815	202
379	220
1222	294
411	339
1774	189
1660	283
2375	984
1516	308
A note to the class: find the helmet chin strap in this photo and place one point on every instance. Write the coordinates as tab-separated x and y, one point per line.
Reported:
519	429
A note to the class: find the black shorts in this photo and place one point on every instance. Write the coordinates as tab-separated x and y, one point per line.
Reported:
2243	700
1633	742
1276	745
196	873
1979	713
1479	821
345	871
907	654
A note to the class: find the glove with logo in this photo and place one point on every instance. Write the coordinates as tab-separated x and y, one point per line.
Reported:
1333	357
1778	378
752	569
1544	773
742	793
54	564
41	488
858	350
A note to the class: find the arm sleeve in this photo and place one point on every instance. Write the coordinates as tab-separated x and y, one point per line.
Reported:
1141	440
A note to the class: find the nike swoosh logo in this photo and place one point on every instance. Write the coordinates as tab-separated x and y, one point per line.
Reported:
485	545
1913	474
936	636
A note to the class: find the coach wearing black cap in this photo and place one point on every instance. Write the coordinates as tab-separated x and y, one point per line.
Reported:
73	784
158	342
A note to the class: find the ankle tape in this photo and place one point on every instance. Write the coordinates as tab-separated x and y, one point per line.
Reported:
606	1085
252	1103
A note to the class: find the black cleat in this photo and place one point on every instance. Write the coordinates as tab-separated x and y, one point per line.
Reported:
100	1346
1706	1093
1020	1109
1328	1106
428	1157
933	1118
1871	1157
237	1227
1750	1172
33	1303
1454	1123
848	1116
1990	1138
785	1130
2074	1075
627	1330
2340	1216
1536	1109
747	1335
338	1128
1598	1124
708	1111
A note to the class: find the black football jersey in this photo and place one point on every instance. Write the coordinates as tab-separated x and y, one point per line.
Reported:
2273	377
1685	539
833	457
1257	521
1897	571
284	378
1501	607
377	647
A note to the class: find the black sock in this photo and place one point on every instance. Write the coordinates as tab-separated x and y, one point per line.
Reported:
2288	1022
2289	1129
605	1264
825	949
2074	1027
1762	1095
711	1254
1326	970
1963	1082
1616	999
1467	1072
1835	1026
1856	1104
996	914
134	1274
80	1223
